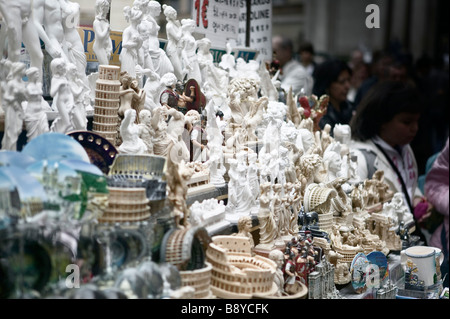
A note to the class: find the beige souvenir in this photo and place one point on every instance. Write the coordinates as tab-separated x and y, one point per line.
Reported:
107	102
236	274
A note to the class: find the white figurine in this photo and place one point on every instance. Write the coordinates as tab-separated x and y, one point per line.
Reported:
14	95
197	134
215	140
333	161
278	257
268	228
228	62
161	63
153	88
102	43
72	40
215	77
49	25
129	131
188	44
80	97
146	131
175	129
174	33
161	140
131	41
19	19
36	121
397	210
62	97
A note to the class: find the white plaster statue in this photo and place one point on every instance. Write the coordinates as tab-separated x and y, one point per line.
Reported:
282	221
146	131
20	26
13	96
161	63
215	140
228	61
129	131
267	86
175	129
36	121
215	77
246	108
245	225
397	210
80	97
174	33
72	40
177	176
131	41
252	175
240	200
153	88
62	97
188	44
161	139
49	24
278	257
193	121
333	161
268	228
102	43
342	133
210	214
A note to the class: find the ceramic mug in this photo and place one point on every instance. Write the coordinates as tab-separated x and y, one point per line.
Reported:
425	260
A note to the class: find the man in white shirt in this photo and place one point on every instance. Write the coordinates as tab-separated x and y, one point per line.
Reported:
292	74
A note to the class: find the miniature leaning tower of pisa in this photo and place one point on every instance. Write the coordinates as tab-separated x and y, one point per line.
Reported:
107	102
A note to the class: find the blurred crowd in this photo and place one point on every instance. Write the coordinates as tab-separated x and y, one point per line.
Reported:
347	80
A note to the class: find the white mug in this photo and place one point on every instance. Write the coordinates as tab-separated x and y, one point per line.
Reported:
424	260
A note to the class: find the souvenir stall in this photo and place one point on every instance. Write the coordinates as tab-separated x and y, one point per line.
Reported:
180	173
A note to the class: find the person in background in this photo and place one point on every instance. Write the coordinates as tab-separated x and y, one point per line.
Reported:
306	53
332	77
292	73
437	192
384	125
379	71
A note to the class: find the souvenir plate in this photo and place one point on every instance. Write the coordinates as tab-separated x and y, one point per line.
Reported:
359	268
55	146
378	259
100	151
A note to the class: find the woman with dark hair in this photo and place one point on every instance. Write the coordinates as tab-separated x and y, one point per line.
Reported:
332	77
384	125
